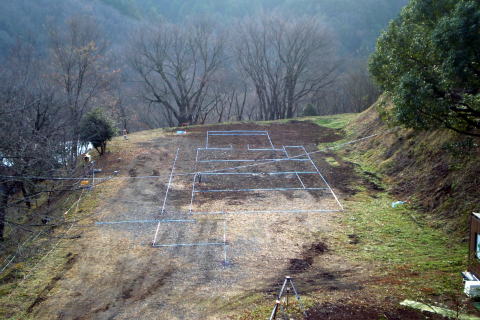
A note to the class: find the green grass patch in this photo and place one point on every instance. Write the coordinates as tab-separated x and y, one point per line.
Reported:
425	260
331	161
336	121
422	260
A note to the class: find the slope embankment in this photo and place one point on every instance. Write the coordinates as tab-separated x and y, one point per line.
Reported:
437	172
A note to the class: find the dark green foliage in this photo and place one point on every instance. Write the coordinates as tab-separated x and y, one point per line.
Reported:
97	128
461	148
428	61
310	111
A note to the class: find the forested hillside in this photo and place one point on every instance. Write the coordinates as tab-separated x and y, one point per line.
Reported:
357	24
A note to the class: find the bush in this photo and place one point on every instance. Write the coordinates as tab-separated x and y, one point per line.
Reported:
310	111
97	128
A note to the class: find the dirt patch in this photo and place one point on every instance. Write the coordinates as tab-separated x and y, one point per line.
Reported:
290	133
132	172
344	175
300	265
329	311
372	181
354	239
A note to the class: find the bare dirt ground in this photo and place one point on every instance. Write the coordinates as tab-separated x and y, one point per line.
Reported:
115	273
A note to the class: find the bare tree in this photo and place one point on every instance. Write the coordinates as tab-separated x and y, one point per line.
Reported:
353	91
177	65
80	69
30	126
286	60
229	104
361	91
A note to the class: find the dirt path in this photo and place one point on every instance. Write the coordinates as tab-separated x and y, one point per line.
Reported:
117	274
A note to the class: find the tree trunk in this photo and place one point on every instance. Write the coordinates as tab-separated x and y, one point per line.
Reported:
184	119
3	208
103	148
26	198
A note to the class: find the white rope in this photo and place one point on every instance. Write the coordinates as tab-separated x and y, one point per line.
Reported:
166	195
35	267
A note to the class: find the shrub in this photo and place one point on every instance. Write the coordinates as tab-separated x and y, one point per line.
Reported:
310	111
97	128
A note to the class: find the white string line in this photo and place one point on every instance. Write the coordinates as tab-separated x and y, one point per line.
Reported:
18	250
194	178
166	195
323	178
47	254
194	173
270	140
300	180
197	244
56	245
144	221
278	160
19	247
76	203
225	242
211	171
193	191
206	213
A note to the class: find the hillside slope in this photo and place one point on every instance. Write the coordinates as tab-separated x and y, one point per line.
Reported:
362	261
437	171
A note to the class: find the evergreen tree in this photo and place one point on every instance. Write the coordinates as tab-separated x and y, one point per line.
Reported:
428	62
97	128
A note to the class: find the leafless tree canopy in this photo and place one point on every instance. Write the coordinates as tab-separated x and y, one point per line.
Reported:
177	67
286	60
30	126
353	91
80	70
282	62
43	97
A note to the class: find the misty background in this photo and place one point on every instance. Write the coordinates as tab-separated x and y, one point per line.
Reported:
352	27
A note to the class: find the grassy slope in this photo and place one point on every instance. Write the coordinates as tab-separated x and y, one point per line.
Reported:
422	244
439	176
26	283
437	171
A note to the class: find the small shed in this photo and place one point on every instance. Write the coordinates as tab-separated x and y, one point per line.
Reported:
474	246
